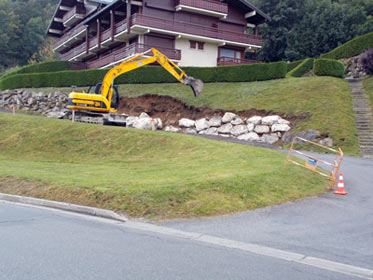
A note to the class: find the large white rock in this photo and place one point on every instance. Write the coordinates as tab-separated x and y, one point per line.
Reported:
280	128
158	123
255	120
130	121
202	124
237	121
239	130
171	128
143	123
252	136
228	117
250	127
56	115
226	128
190	131
215	121
261	129
211	131
270	120
186	123
144	115
283	121
270	138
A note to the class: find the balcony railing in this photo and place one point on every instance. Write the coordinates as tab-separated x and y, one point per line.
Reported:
128	51
209	5
75	11
234	61
69	35
74	52
195	29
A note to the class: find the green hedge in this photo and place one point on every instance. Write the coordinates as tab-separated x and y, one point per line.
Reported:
145	75
292	65
53	66
351	48
329	67
301	69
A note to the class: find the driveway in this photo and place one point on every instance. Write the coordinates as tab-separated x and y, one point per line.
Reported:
337	228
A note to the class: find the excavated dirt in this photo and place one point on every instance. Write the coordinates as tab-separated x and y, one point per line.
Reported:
171	110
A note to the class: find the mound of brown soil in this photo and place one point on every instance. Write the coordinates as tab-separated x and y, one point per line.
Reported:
171	110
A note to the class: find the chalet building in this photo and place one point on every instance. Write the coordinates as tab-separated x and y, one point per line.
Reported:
100	33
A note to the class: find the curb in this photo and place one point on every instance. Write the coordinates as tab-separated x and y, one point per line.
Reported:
92	211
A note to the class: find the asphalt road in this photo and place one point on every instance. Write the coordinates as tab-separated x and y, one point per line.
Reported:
337	228
43	244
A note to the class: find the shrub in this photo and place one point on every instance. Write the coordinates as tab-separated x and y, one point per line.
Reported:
351	48
329	67
292	65
150	74
367	61
301	69
53	66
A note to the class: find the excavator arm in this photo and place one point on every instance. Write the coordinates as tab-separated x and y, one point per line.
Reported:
137	62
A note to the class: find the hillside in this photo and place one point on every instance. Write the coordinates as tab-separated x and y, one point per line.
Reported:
143	173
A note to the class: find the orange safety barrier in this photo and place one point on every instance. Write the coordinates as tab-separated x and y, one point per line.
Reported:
312	162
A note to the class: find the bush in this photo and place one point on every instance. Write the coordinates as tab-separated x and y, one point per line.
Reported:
367	61
329	67
301	69
292	65
53	66
145	75
351	48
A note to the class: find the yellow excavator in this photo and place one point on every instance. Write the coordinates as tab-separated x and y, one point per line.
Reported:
100	104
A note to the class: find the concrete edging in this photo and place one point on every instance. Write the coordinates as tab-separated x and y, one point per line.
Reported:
92	211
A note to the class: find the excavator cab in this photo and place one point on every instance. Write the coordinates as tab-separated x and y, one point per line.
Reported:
114	96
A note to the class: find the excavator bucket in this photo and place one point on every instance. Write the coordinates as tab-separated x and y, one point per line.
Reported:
195	84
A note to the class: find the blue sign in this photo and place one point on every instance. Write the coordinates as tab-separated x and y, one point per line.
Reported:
312	161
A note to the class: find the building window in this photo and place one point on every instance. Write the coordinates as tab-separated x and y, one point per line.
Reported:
230	53
197	45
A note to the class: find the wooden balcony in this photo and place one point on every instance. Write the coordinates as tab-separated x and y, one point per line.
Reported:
207	7
142	23
222	61
75	14
75	34
76	53
123	53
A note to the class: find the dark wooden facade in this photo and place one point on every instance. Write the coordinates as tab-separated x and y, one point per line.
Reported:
100	35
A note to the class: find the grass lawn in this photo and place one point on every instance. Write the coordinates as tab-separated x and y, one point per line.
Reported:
143	173
327	99
368	86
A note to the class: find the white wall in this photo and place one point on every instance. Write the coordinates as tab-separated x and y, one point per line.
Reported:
195	57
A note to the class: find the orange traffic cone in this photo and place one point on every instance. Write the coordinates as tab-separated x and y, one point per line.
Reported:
341	186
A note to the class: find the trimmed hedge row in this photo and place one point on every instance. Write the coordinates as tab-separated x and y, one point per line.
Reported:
329	67
301	69
53	66
145	75
292	65
351	48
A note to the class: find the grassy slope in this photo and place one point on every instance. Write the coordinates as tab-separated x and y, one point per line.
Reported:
327	99
368	86
144	173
